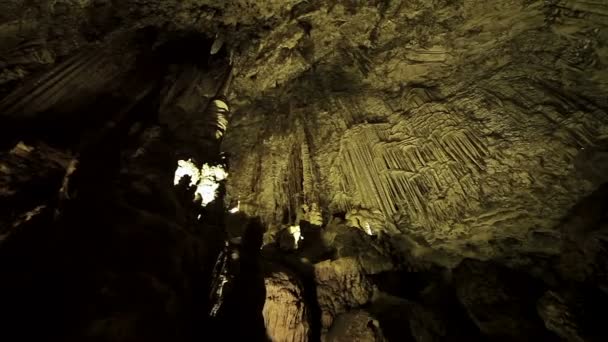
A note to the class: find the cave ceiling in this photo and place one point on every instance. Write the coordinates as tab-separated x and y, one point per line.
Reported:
469	128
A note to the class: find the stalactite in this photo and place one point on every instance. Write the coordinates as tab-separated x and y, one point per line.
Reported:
307	173
293	185
389	171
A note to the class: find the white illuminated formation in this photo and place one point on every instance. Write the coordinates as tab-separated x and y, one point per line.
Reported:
206	179
296	233
210	182
368	229
186	168
236	209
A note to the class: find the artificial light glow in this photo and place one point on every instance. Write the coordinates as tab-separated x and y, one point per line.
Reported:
21	149
210	182
221	104
186	168
207	179
235	209
368	229
296	233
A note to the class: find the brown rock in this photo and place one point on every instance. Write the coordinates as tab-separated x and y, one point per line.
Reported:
285	313
341	285
355	326
501	302
558	317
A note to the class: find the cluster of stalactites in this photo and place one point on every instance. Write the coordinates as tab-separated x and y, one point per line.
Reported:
206	179
299	195
429	177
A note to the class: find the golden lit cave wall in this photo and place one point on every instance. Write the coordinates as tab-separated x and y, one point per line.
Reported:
424	168
437	163
492	151
454	165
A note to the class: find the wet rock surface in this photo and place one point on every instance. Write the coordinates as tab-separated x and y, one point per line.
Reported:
417	118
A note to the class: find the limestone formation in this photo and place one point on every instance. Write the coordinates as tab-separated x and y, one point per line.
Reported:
355	326
285	312
558	317
429	113
498	301
341	285
299	170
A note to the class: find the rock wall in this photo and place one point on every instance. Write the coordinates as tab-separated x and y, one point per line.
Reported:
471	126
285	312
446	161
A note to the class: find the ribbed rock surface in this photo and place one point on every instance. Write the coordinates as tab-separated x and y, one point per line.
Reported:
285	313
558	317
35	34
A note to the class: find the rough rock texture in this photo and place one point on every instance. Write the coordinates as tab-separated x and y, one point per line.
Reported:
471	126
583	256
355	326
571	314
35	34
285	313
375	255
26	170
341	285
446	160
499	301
435	315
110	252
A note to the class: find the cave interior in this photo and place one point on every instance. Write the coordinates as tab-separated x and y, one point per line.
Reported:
303	170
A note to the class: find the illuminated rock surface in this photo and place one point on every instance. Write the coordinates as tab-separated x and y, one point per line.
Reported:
341	286
356	326
445	164
285	313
